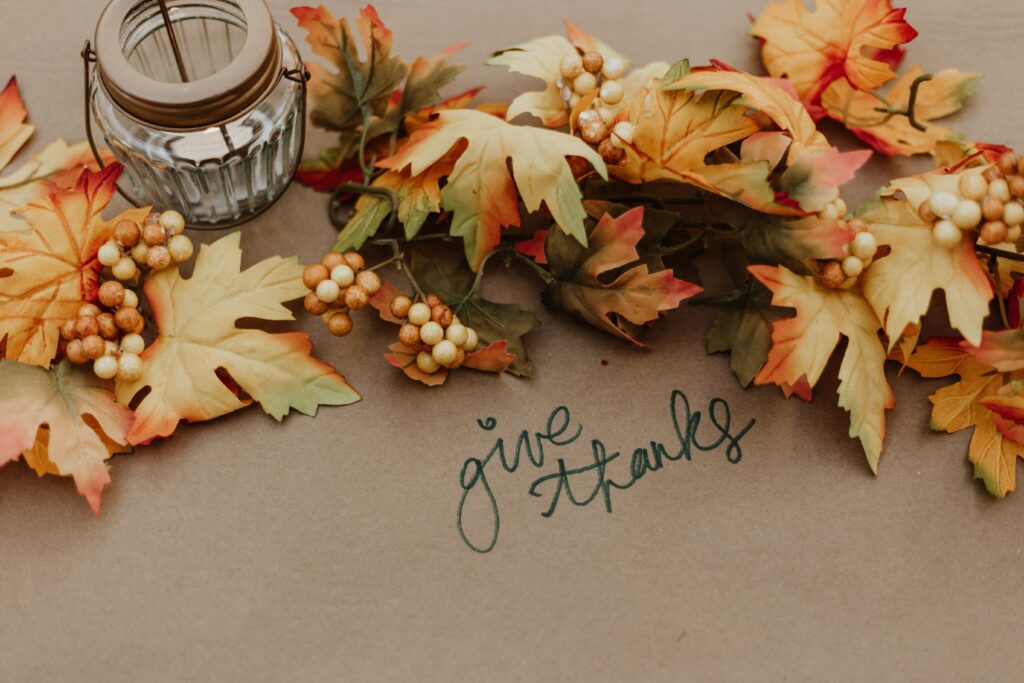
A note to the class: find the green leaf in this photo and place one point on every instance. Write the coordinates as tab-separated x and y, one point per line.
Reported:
744	328
675	72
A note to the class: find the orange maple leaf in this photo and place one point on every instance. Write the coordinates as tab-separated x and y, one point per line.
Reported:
855	39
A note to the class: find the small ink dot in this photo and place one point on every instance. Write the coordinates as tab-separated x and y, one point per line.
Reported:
604	362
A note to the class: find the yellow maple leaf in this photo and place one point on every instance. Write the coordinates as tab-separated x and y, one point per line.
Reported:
900	285
481	192
198	336
63	421
959	406
942	96
47	271
839	38
802	346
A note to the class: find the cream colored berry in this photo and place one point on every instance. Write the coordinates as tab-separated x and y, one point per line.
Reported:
853	266
140	253
419	313
864	246
105	367
445	352
109	254
131	299
456	334
431	333
471	340
181	248
129	367
571	66
973	186
967	214
946	234
611	92
574	100
172	221
111	348
1000	189
622	133
426	363
343	275
841	207
1013	234
614	68
125	269
829	213
606	114
585	83
943	203
133	343
1013	214
369	281
328	291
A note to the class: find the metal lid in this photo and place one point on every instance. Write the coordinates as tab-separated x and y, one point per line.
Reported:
205	102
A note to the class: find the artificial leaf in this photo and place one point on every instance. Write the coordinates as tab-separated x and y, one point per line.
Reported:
585	282
196	318
329	170
854	39
960	406
492	358
900	285
492	321
80	417
942	96
46	272
744	329
58	163
481	192
802	346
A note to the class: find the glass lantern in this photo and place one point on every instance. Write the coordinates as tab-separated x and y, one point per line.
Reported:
202	101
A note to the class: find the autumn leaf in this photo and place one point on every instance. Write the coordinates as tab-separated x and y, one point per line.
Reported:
802	346
58	162
492	358
481	192
585	282
198	336
493	322
79	414
961	406
854	39
942	96
47	271
900	285
744	329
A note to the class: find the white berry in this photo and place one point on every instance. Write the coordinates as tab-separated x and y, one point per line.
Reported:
853	266
109	254
110	348
614	68
131	299
456	334
419	313
943	203
172	221
973	186
133	343
343	275
611	92
140	253
471	340
585	83
864	246
840	206
829	213
1013	214
328	291
180	248
607	115
1000	189
431	333
946	234
1013	234
967	214
125	269
425	362
129	367
571	66
445	352
622	133
105	367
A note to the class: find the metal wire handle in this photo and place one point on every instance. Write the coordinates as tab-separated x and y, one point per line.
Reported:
298	75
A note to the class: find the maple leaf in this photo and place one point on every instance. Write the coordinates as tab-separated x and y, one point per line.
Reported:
744	329
481	192
636	295
542	57
854	39
942	96
900	285
810	170
196	318
78	416
802	346
961	406
46	272
493	322
58	163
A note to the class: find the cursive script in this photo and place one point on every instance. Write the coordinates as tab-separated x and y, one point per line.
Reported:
584	484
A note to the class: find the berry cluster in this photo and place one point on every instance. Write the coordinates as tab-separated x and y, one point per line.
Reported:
156	245
110	339
339	284
434	332
991	200
582	75
857	254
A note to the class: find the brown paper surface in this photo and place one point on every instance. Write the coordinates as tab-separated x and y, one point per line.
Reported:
327	549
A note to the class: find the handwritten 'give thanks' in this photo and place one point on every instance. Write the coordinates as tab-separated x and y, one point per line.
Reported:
585	484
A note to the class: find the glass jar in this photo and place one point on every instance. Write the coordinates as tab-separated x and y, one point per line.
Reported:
200	102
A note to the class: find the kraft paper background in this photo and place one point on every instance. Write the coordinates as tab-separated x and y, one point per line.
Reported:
326	549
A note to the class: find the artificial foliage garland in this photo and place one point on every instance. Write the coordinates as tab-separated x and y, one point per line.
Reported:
632	174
